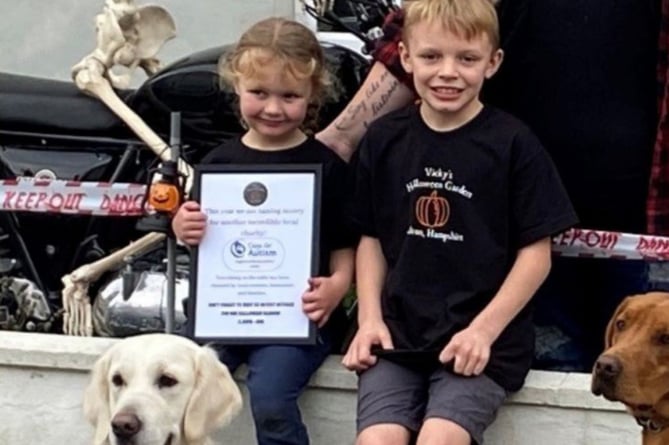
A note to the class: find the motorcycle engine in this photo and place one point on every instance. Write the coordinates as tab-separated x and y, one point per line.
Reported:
23	307
134	301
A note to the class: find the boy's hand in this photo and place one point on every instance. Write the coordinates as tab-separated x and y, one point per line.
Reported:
469	350
322	297
359	355
189	223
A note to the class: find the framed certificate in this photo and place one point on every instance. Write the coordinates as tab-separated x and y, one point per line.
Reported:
260	247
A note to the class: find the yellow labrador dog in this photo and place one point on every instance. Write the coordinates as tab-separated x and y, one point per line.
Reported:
159	389
634	367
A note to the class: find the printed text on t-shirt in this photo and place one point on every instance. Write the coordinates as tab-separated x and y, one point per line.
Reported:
432	211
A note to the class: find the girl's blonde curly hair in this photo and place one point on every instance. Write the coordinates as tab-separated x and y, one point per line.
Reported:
284	43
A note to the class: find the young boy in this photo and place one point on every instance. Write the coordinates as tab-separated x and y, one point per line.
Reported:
456	202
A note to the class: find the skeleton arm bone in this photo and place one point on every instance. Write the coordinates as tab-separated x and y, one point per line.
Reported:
77	318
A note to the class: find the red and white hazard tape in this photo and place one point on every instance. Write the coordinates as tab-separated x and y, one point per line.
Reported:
586	243
71	197
101	198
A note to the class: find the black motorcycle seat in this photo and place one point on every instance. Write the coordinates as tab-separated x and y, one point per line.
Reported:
38	104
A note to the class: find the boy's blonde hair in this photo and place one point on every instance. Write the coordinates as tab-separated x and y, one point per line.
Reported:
466	18
290	44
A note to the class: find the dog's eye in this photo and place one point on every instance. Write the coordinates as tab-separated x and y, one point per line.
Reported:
166	381
664	339
620	325
117	380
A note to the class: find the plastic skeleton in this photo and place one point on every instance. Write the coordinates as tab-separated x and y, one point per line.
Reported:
129	36
321	6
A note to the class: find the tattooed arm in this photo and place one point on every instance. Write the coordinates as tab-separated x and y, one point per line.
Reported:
379	94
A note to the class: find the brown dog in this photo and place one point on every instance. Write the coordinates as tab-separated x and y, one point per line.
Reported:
634	367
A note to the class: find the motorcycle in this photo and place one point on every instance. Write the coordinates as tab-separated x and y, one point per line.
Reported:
55	137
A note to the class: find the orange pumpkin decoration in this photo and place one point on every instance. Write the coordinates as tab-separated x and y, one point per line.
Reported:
432	211
164	197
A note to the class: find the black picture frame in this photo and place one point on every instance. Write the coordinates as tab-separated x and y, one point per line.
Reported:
253	171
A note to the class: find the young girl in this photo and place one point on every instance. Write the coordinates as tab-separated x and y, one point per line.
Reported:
277	71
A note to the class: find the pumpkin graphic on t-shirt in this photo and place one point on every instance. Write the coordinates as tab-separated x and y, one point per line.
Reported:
432	210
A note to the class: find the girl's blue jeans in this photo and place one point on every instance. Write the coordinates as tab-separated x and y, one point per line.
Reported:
277	376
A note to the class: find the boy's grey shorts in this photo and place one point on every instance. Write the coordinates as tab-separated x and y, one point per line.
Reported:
391	393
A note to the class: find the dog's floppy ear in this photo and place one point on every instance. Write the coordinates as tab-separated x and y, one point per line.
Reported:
215	400
610	328
96	400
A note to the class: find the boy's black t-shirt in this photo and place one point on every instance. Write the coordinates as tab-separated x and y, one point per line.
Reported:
451	210
335	230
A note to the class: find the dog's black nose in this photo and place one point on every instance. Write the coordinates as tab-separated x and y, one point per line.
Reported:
608	367
125	426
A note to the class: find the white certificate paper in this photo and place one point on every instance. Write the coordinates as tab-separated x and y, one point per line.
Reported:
259	249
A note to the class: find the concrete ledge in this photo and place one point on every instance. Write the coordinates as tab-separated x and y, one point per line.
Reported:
42	378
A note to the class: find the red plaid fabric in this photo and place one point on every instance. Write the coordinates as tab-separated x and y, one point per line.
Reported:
657	204
386	51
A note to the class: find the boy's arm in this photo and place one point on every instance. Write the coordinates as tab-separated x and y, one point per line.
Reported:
342	265
471	347
530	269
379	94
371	267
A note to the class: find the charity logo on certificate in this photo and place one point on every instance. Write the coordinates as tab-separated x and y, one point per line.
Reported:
260	248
